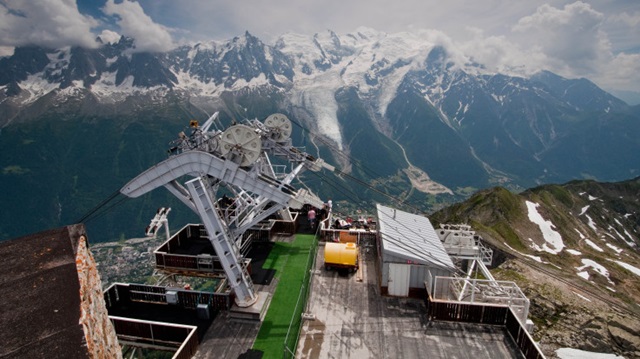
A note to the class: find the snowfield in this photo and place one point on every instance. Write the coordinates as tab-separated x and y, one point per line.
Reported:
553	240
569	353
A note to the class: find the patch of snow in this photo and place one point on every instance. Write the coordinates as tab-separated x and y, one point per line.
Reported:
74	90
553	241
593	245
632	243
192	84
582	296
574	252
127	83
535	258
36	85
611	289
591	223
584	275
106	90
592	198
498	99
111	60
584	209
629	267
570	353
598	268
615	249
618	233
255	82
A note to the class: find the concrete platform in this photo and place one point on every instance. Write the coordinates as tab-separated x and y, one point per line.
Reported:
255	312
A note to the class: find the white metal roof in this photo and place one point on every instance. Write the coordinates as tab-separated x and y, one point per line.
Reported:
412	237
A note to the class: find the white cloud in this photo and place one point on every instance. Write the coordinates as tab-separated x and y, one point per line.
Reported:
499	54
632	20
621	73
569	41
133	22
109	37
48	23
571	38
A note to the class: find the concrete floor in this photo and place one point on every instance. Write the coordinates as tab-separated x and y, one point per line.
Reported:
353	321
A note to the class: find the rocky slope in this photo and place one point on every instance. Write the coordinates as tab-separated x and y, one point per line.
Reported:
573	249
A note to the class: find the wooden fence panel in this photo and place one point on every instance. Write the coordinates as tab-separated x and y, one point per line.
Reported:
484	314
180	261
470	313
522	338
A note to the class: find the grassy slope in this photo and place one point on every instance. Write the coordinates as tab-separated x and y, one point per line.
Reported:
290	262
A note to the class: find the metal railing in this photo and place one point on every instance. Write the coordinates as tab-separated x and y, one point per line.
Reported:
182	339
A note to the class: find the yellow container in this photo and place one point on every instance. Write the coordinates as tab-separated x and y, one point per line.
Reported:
340	255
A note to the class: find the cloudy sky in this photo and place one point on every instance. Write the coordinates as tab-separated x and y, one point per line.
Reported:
597	39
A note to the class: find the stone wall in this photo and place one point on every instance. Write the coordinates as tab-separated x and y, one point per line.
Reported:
99	332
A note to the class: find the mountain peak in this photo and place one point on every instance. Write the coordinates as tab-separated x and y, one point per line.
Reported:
503	128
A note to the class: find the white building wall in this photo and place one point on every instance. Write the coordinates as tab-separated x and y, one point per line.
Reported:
418	272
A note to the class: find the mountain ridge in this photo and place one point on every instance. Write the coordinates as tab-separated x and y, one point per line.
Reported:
573	249
360	96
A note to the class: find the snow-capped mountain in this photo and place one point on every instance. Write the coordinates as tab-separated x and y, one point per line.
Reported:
402	108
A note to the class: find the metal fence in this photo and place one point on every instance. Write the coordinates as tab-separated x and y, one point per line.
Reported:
286	227
182	339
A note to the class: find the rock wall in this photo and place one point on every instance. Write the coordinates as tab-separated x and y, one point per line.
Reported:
99	332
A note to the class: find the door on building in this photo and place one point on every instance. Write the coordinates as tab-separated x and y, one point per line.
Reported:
399	279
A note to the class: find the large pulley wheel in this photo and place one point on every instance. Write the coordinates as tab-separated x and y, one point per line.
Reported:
241	144
279	127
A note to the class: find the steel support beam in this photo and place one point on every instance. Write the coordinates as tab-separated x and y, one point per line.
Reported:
224	245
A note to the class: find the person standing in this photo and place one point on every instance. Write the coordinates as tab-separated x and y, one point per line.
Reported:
311	216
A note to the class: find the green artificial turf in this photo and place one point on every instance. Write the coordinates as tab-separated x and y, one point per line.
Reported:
290	261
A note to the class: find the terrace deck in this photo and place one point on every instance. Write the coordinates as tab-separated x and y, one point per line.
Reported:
352	320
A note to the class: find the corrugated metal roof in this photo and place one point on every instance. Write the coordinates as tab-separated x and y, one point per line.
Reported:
412	237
